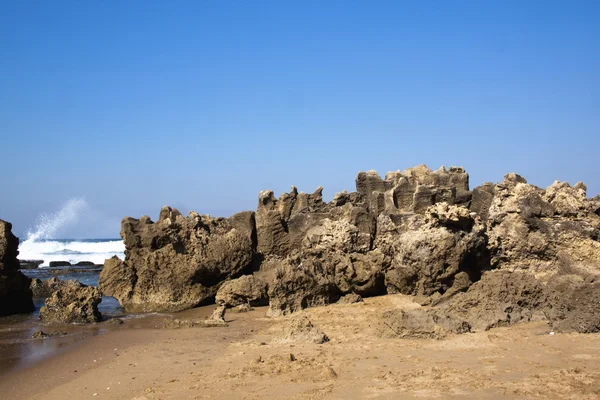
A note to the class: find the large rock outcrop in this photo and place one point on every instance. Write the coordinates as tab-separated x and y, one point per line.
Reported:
178	262
15	295
417	232
427	257
544	232
72	303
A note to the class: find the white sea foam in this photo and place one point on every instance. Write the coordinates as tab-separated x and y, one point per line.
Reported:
41	245
72	251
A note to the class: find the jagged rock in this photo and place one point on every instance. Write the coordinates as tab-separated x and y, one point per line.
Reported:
178	262
246	289
45	288
427	259
419	232
282	224
15	294
72	303
542	231
415	189
567	200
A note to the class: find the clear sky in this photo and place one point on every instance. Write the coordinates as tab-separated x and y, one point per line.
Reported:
202	104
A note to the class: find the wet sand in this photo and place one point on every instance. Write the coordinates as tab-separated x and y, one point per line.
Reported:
249	359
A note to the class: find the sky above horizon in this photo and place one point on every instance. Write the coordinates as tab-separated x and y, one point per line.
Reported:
202	104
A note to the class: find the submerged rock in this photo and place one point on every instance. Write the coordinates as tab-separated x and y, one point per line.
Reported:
30	264
54	264
72	303
39	334
15	294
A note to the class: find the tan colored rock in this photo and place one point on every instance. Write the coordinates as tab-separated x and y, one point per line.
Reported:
543	231
247	289
426	260
178	263
72	303
45	288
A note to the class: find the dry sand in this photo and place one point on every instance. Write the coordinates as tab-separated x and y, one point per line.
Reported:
259	358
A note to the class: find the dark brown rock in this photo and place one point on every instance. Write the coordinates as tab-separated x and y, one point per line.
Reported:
30	264
15	294
55	264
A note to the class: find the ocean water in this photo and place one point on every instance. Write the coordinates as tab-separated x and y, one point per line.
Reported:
17	348
71	250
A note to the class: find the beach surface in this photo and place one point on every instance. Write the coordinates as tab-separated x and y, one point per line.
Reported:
254	357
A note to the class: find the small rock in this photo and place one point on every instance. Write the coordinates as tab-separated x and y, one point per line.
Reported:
39	335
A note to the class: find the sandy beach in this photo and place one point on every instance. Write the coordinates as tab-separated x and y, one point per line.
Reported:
252	358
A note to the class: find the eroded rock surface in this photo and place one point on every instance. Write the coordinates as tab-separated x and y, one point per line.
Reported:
476	259
544	232
178	262
45	288
247	289
74	302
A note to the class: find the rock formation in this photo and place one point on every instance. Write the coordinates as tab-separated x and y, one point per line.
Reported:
417	232
543	231
74	302
15	295
178	262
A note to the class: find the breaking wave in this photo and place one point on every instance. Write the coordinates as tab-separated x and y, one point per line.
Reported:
41	244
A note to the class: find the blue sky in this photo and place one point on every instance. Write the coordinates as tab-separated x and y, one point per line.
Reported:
202	104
